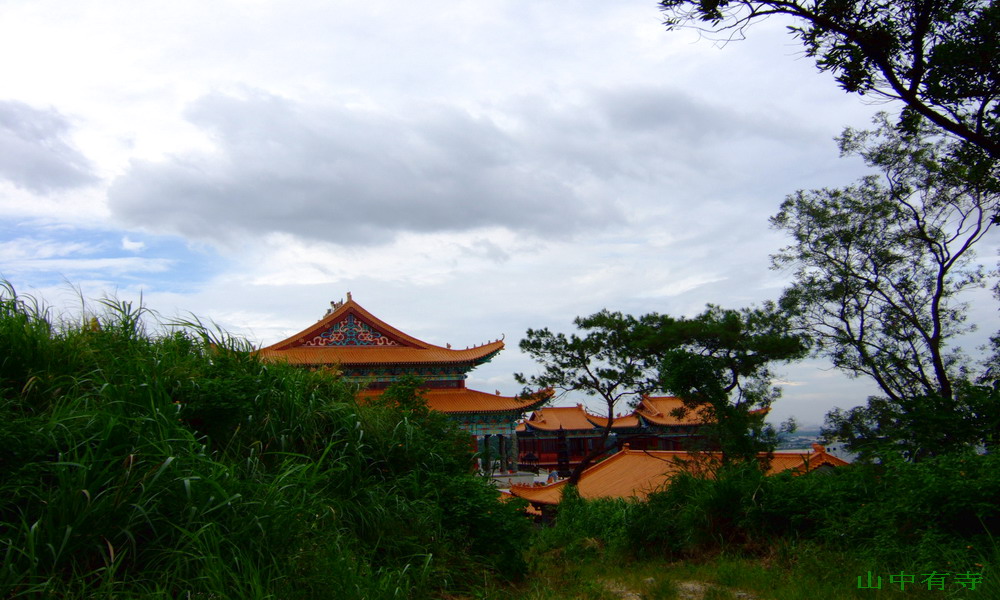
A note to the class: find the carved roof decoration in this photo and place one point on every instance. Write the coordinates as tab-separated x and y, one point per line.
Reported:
350	335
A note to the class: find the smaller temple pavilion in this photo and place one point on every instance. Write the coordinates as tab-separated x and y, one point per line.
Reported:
373	354
558	437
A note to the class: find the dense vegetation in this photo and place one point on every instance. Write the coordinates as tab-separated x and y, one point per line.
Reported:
881	272
823	529
176	464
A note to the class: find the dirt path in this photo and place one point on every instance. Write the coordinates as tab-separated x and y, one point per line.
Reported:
686	590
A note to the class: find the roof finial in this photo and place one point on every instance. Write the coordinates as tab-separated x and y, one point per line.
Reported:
334	306
348	296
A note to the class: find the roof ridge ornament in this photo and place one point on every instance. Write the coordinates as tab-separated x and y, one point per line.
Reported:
336	305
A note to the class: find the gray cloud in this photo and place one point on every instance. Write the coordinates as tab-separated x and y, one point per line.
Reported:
486	249
553	168
351	176
34	152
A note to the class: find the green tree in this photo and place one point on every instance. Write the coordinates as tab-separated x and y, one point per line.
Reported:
879	268
603	363
720	363
942	59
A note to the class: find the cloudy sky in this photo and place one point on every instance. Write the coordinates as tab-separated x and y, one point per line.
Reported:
467	169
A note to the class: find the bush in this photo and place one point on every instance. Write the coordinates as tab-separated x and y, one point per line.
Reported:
587	527
906	514
704	514
173	464
902	515
894	512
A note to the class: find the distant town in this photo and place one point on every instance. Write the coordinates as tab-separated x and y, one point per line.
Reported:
803	437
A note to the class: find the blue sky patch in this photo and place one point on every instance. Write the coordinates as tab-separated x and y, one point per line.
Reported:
48	255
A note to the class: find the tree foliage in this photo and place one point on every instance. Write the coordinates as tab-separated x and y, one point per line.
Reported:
603	363
720	362
922	426
942	59
879	269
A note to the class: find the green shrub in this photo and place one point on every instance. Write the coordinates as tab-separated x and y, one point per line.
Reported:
587	527
177	464
901	514
704	513
895	512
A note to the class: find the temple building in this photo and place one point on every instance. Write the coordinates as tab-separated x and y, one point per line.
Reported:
370	352
634	474
559	437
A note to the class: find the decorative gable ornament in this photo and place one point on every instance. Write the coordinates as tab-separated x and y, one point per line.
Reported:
351	331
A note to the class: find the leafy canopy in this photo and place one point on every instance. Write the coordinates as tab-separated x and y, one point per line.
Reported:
604	362
721	361
879	270
718	362
942	59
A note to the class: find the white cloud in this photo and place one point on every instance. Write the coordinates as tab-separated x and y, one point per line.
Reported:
77	266
132	246
351	177
466	169
53	255
34	249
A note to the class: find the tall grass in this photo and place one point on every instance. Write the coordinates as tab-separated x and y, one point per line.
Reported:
143	460
800	537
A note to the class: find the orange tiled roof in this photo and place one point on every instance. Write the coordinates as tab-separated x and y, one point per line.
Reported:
379	355
464	400
803	462
626	474
506	496
659	410
551	418
637	473
385	344
620	421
